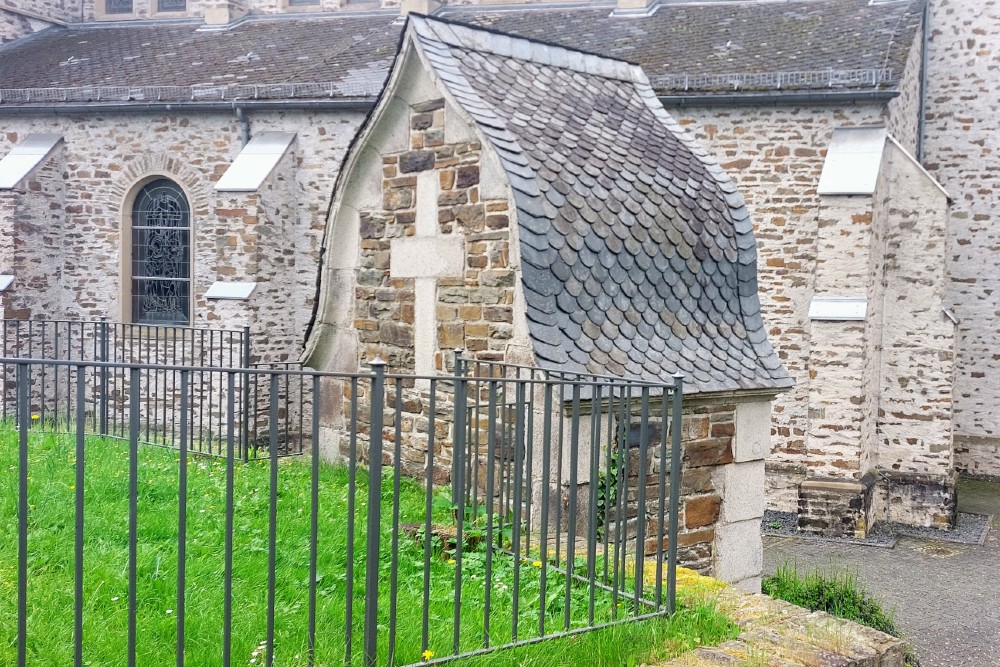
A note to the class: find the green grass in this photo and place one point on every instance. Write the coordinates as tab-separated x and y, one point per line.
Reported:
51	565
840	595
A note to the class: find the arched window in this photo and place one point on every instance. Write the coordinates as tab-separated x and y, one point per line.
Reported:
161	255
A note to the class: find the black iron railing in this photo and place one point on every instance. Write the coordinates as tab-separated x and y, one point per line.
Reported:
120	344
492	507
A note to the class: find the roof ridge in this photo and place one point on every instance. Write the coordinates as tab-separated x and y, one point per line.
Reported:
477	38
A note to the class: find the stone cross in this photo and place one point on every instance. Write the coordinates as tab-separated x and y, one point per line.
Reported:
426	257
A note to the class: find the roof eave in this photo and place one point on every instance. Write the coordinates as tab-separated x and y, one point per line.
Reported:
64	108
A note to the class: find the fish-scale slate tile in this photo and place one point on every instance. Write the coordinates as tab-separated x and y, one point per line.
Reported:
636	270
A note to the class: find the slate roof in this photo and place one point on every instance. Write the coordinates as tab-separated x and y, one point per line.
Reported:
696	47
637	252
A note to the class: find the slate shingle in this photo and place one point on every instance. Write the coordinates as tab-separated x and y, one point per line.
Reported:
628	263
682	48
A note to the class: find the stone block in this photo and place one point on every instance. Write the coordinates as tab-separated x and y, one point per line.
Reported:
739	552
708	452
702	511
416	161
742	487
427	257
753	431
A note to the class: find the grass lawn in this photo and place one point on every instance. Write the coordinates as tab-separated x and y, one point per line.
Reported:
50	584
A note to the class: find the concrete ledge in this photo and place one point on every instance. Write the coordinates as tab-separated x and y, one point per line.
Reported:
779	634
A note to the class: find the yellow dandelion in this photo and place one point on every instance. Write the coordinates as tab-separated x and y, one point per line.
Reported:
537	563
451	561
35	417
428	654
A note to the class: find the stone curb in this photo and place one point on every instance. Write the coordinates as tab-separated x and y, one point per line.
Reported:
774	633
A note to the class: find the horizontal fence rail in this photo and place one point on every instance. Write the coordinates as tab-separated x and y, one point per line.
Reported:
435	517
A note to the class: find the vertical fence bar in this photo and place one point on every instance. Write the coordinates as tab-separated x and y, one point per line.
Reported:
543	539
377	399
23	380
314	525
571	518
457	454
428	508
675	488
661	497
491	452
640	529
133	510
611	490
182	516
272	521
593	511
518	482
352	485
245	395
81	427
227	574
397	455
105	390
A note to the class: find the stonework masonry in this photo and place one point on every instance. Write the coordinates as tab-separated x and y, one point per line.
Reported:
857	397
76	202
14	25
961	151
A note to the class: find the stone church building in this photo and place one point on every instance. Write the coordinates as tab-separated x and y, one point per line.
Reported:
860	134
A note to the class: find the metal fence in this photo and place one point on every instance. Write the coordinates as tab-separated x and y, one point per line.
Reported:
53	389
492	507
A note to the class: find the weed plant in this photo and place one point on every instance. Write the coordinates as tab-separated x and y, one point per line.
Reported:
840	595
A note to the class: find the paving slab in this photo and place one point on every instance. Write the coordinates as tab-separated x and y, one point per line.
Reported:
945	596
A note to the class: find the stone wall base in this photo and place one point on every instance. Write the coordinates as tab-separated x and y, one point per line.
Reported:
848	508
779	634
781	485
836	507
917	499
977	456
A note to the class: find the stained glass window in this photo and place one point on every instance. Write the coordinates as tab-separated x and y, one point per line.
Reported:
171	5
161	255
117	6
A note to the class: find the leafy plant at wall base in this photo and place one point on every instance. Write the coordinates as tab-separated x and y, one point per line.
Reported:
607	495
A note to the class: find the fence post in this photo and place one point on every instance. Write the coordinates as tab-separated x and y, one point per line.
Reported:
103	347
675	489
245	421
377	408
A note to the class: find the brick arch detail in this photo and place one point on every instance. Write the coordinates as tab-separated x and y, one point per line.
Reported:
190	180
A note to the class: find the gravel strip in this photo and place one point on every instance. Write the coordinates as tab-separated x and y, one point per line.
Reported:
969	529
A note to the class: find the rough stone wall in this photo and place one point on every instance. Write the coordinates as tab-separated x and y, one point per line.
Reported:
776	154
472	306
34	14
917	345
903	114
34	241
961	151
14	25
105	157
838	358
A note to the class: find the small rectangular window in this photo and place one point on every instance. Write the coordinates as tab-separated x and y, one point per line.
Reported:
171	5
117	6
302	3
